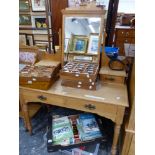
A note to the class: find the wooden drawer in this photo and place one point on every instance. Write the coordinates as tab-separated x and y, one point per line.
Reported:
112	79
124	40
106	110
125	33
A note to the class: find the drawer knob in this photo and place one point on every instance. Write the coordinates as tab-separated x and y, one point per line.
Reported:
90	106
41	97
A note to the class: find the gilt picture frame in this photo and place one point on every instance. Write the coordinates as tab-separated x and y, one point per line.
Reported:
79	44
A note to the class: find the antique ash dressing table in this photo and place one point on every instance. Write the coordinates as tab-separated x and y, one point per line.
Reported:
109	100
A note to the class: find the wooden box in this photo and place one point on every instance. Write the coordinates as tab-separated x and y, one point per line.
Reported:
126	19
110	76
80	71
38	77
80	75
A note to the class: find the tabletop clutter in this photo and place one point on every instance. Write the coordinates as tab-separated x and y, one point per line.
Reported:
40	75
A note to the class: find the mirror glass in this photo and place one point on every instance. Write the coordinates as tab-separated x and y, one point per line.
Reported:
81	38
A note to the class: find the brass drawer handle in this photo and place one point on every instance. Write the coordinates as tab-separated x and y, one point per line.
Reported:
90	106
41	97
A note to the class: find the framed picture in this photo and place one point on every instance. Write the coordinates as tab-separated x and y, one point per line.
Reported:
22	39
80	43
24	19
24	6
38	5
39	22
30	39
93	44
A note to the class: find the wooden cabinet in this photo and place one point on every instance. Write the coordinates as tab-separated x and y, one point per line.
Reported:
56	7
124	34
128	146
129	143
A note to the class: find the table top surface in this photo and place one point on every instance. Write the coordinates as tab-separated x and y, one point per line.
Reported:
115	94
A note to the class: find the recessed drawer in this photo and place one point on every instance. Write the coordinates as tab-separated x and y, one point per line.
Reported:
37	96
106	110
112	79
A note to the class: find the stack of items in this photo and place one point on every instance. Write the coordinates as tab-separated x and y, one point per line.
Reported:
62	131
88	127
80	75
38	77
74	129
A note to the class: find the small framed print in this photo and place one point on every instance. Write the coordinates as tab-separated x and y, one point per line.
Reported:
80	43
22	39
30	39
24	6
40	23
93	43
24	19
38	5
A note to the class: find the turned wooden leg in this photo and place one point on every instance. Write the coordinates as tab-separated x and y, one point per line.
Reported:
21	106
27	118
115	139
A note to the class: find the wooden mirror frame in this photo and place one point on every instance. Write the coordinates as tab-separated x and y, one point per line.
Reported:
90	10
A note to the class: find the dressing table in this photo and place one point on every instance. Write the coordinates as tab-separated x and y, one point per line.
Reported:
108	100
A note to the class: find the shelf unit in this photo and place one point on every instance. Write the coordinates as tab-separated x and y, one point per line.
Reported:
41	37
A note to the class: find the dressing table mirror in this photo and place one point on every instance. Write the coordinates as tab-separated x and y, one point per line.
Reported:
82	33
